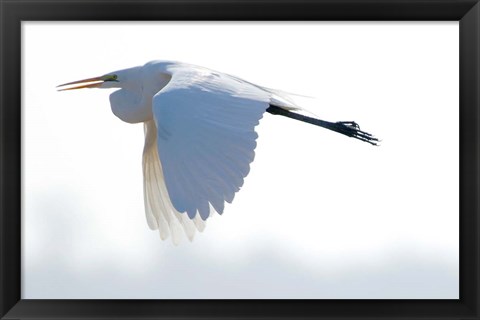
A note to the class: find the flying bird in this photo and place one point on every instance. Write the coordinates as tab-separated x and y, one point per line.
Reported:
200	136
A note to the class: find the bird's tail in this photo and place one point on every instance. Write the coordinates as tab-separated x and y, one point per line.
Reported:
348	128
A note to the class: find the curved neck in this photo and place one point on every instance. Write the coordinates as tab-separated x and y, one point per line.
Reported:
130	106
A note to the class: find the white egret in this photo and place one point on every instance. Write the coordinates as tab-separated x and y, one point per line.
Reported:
199	136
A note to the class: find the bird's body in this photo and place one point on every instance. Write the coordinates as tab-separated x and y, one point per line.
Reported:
199	136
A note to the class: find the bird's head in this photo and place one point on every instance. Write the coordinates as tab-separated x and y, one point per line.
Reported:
117	79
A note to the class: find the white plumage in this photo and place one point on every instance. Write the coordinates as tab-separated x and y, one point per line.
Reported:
199	136
206	137
159	210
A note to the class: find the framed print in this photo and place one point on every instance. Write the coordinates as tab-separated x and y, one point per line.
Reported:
324	225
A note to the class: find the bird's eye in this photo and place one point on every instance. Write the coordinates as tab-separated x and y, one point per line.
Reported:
110	77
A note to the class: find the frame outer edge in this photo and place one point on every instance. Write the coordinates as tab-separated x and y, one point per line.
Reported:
470	158
9	153
2	187
476	87
10	157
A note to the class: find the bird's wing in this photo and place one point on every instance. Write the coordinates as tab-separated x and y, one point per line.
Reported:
206	137
160	213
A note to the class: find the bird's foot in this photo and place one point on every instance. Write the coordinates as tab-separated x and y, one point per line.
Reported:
351	124
352	129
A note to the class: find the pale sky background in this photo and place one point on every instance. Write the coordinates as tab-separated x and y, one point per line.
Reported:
319	216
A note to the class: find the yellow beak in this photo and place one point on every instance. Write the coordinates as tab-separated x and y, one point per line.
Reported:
85	83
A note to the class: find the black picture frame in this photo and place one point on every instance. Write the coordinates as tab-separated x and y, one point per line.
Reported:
13	12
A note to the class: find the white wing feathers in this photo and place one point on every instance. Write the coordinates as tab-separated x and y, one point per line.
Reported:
160	213
206	141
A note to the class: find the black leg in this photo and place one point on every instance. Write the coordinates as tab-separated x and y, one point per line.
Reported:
348	128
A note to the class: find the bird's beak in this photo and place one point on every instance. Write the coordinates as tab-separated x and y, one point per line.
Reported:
85	83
